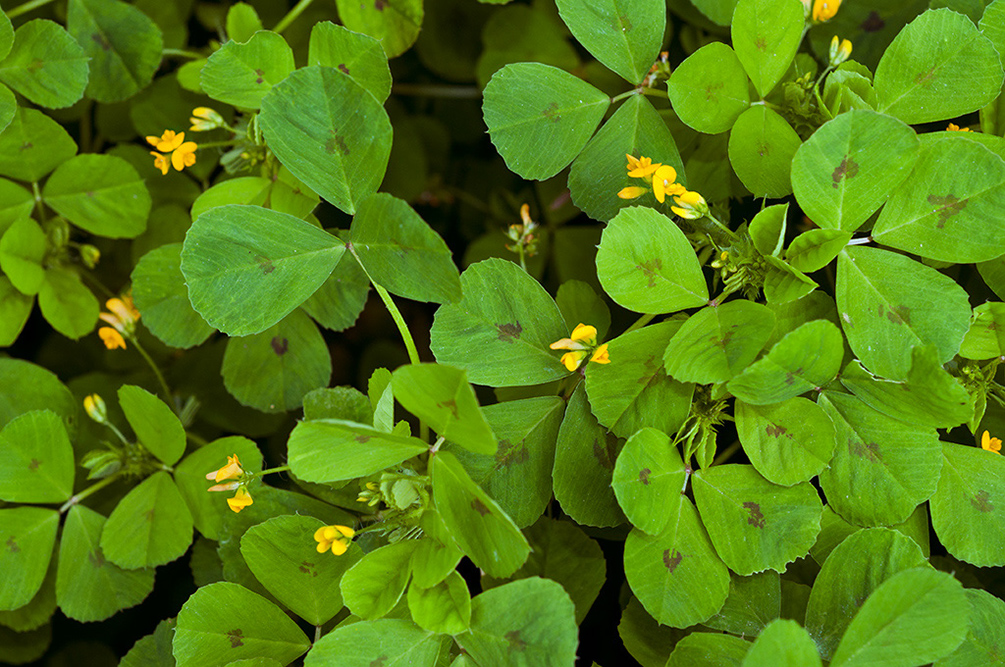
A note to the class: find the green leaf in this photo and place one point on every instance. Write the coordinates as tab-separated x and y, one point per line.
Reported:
579	304
22	251
624	35
154	423
88	587
285	560
897	462
248	267
943	213
637	129
889	303
518	34
634	391
761	147
386	642
476	522
540	117
444	608
966	504
66	304
645	639
395	23
330	132
987	614
6	35
756	525
274	369
499	332
374	584
25	647
39	611
46	65
766	35
719	12
646	264
339	301
345	403
849	575
241	73
985	340
402	253
435	555
208	509
102	194
123	44
25	387
709	89
676	575
585	456
518	475
160	293
784	643
783	284
705	649
814	249
15	308
149	527
753	603
844	172
28	535
242	22
358	56
442	397
224	622
940	66
788	442
914	617
530	621
332	450
33	145
648	478
718	343
767	229
36	459
15	202
805	359
929	397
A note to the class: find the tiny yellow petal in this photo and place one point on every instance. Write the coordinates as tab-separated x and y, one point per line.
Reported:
339	547
345	530
631	192
161	162
319	534
600	355
323	547
111	338
585	333
571	360
240	500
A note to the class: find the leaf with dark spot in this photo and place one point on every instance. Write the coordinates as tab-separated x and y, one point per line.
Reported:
672	560
478	506
551	112
873	23
847	169
236	638
509	331
756	518
649	268
279	345
644	476
12	545
515	643
982	501
96	558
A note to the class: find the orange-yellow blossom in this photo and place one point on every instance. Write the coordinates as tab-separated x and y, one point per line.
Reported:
232	470
953	127
582	340
240	500
824	10
122	317
174	151
336	538
991	444
662	178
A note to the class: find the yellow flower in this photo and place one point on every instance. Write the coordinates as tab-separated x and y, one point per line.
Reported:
690	205
336	538
94	405
205	119
840	51
240	500
824	10
664	183
991	444
660	176
122	316
600	355
182	153
953	127
641	167
581	341
232	470
161	162
111	338
168	141
632	192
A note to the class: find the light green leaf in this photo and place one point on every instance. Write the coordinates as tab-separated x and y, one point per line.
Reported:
761	147
28	535
540	117
753	603
339	301
241	73
124	46
444	608
499	332
625	35
102	194
402	253
814	249
33	145
66	304
767	229
155	425
987	616
224	622
709	89
358	56
15	308
717	343
882	468
756	525
36	459
330	132
844	172
332	450
677	575
940	66
646	264
648	480
22	251
784	643
985	339
46	65
889	303
580	304
25	387
248	267
788	442
766	35
783	284
373	586
706	649
149	527
6	35
387	642
394	23
88	587
160	293
15	202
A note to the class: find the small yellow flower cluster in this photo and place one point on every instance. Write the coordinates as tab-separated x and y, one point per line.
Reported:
205	119
235	473
95	408
953	127
174	151
991	444
123	317
582	343
840	51
821	10
336	538
661	177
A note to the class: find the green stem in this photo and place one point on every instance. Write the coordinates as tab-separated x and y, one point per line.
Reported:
117	432
26	7
197	439
652	92
38	201
291	16
627	93
437	90
724	456
317	633
639	323
181	53
160	378
94	488
272	470
436	445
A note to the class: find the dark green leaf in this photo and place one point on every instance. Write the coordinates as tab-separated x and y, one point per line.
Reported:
36	459
46	65
625	35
